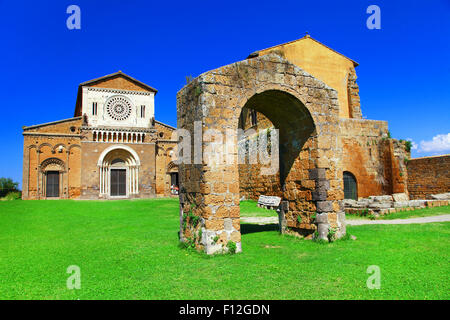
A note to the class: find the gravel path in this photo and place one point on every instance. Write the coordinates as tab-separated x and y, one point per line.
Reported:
442	218
260	220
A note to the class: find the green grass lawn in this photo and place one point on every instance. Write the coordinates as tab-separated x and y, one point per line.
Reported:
129	250
426	212
249	208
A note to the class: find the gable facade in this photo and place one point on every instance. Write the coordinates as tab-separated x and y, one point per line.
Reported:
326	64
107	151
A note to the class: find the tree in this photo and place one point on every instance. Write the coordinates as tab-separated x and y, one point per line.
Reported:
7	185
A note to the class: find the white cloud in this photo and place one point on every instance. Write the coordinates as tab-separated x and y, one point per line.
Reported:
440	142
414	145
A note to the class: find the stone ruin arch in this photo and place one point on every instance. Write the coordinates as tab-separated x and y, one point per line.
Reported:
303	108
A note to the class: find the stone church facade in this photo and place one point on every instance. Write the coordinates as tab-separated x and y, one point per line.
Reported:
113	148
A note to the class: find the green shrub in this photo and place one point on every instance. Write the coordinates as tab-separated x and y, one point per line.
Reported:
15	195
231	247
332	234
408	145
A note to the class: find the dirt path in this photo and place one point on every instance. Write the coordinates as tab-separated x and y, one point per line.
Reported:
260	220
442	218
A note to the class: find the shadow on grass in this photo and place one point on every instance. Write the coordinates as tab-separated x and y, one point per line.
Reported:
252	228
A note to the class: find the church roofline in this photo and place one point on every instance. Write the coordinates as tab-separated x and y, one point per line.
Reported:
114	75
93	81
51	123
256	53
166	125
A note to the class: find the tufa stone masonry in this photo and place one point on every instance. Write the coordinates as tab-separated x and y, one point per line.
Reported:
327	151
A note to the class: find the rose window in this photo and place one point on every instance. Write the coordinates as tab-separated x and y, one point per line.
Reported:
118	108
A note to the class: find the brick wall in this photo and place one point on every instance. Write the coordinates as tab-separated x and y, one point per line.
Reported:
58	140
375	160
430	175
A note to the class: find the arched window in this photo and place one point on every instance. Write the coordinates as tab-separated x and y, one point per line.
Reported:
350	186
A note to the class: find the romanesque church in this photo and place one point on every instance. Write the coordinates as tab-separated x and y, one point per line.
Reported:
112	148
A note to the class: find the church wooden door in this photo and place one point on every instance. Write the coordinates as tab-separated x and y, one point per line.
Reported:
52	186
118	182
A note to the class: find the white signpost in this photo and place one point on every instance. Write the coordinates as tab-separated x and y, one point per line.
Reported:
269	202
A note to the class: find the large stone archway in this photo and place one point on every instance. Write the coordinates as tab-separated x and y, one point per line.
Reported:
303	108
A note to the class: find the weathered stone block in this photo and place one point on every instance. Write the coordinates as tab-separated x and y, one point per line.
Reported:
228	224
381	205
323	185
324	206
317	173
441	196
381	198
400	197
322	230
319	195
321	218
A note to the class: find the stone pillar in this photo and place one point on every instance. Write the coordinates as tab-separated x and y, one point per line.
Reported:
323	206
137	180
282	211
68	174
100	172
26	172
107	180
38	174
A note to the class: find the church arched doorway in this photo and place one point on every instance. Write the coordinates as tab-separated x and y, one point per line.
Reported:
119	172
52	174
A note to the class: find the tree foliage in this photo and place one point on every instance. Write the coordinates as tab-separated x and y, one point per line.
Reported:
7	185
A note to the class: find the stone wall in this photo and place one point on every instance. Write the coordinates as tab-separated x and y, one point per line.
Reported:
354	104
376	161
429	175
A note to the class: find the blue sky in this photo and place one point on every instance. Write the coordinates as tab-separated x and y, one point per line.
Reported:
404	71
